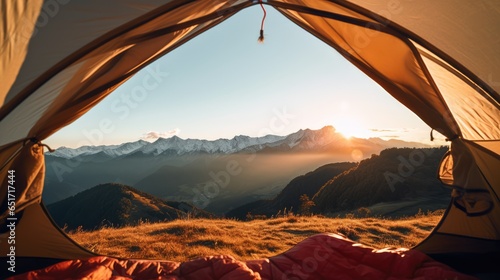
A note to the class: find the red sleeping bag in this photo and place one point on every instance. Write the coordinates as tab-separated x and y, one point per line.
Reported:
324	256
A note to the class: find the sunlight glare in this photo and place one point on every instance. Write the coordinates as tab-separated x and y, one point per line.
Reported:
349	128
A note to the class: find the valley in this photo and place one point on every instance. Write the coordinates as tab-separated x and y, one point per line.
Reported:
217	176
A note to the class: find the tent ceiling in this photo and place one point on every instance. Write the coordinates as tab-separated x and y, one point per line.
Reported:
461	30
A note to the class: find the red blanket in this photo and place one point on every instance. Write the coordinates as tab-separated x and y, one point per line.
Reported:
324	256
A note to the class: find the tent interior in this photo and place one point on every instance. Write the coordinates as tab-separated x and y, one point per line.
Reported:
437	58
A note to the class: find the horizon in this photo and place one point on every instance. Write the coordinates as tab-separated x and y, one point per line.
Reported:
293	81
433	144
152	140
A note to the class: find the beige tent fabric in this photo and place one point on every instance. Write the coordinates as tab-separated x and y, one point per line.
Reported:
470	166
17	24
492	146
73	29
487	157
459	223
477	115
462	30
476	191
29	170
37	236
18	122
391	60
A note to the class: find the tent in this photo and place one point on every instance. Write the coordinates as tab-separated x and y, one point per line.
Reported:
440	59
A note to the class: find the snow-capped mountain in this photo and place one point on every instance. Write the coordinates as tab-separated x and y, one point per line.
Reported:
225	146
325	139
173	145
308	140
110	150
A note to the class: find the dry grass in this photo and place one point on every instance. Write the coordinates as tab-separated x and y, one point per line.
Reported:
181	240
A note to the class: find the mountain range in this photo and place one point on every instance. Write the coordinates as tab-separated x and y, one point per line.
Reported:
217	175
374	185
324	139
172	145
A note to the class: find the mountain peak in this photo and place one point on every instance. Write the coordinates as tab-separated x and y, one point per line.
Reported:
161	139
328	128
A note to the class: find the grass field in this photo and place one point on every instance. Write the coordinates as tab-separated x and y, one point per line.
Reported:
186	239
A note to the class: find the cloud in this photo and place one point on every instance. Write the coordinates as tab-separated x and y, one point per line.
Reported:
392	130
153	135
383	130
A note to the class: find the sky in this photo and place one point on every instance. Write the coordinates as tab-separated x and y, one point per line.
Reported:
224	83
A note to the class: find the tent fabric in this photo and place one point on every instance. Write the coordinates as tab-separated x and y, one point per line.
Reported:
19	19
381	54
472	191
37	236
440	59
28	185
459	31
324	256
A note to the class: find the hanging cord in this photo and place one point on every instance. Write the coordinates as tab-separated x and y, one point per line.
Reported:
261	37
432	136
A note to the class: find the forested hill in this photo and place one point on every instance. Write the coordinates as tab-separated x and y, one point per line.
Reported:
116	205
289	197
396	174
402	180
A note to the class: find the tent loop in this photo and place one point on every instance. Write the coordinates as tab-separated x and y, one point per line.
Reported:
39	143
451	139
261	37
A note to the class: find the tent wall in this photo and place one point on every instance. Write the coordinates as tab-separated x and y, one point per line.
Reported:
18	24
460	31
383	54
38	236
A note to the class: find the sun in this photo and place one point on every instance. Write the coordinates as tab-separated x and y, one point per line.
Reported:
350	128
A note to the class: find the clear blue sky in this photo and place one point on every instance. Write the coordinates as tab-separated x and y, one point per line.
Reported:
223	83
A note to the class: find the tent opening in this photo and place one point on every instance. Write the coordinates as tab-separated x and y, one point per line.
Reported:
208	133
